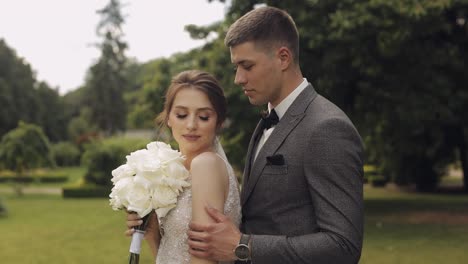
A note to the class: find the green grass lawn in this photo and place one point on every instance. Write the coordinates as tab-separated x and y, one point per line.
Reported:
400	228
415	228
49	229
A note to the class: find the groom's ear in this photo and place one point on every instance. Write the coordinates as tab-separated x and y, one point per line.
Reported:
168	123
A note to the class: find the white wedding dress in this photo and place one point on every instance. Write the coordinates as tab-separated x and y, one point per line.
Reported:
173	248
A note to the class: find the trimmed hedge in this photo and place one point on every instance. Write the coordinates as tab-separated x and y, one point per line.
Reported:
53	179
86	192
31	179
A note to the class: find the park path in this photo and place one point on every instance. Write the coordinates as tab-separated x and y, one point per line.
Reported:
32	190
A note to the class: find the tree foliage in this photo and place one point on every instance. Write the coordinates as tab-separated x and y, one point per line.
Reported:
25	147
23	98
106	82
17	94
398	68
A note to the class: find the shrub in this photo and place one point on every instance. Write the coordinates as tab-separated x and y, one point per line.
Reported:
66	154
101	157
25	147
369	172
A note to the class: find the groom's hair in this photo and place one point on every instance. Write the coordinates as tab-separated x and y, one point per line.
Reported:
268	28
202	81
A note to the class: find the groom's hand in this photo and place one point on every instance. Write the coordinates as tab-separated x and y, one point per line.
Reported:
214	241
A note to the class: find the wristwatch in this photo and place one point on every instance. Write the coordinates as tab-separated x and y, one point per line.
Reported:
242	251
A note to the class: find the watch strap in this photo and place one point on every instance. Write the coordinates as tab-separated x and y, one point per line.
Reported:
244	240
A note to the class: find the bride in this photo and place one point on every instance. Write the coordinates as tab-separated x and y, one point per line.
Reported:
194	110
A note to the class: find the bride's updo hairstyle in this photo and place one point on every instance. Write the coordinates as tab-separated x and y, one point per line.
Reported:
202	81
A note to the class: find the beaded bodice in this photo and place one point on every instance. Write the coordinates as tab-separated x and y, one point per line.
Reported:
173	248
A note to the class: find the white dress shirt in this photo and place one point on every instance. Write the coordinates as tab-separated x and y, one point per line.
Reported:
280	110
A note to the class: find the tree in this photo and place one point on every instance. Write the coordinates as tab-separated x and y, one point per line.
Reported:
148	101
52	116
22	97
397	68
106	81
17	93
24	148
404	68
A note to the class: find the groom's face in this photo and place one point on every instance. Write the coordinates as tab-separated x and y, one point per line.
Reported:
258	72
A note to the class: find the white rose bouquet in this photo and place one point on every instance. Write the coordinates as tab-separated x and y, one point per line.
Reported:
151	179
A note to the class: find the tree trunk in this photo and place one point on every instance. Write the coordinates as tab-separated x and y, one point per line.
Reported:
464	164
18	184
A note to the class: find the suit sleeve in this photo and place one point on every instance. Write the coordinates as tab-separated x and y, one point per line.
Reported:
334	174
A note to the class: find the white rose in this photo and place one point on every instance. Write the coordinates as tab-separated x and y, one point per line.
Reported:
121	172
118	194
146	179
164	151
139	199
175	184
157	145
143	160
163	196
162	212
176	170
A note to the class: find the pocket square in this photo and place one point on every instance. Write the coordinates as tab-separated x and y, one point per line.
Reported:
277	159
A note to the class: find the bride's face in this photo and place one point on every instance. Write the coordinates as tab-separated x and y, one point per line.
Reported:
192	120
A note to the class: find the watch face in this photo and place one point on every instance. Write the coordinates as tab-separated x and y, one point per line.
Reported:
242	252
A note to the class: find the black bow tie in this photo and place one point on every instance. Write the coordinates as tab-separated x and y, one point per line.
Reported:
270	119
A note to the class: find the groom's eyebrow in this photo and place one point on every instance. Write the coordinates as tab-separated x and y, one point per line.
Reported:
241	62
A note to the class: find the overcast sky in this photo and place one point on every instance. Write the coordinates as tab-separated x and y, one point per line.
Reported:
55	36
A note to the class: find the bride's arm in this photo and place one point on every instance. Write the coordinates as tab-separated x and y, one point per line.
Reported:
152	235
210	185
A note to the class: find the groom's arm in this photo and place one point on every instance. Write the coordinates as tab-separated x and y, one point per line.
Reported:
333	169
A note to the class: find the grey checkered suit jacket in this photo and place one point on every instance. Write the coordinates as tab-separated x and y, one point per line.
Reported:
302	197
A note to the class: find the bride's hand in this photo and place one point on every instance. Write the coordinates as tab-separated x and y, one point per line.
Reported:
133	220
152	229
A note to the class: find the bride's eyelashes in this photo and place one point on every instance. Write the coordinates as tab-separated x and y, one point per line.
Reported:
202	117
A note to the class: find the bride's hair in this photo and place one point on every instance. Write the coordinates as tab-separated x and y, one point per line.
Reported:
202	81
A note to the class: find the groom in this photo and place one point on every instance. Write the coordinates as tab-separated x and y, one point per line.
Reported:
301	197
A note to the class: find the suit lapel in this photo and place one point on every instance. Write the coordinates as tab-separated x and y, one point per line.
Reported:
288	122
250	155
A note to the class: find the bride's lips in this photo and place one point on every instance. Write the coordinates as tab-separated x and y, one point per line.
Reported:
191	137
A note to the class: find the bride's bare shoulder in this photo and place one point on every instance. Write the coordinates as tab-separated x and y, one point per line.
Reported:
206	158
208	161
